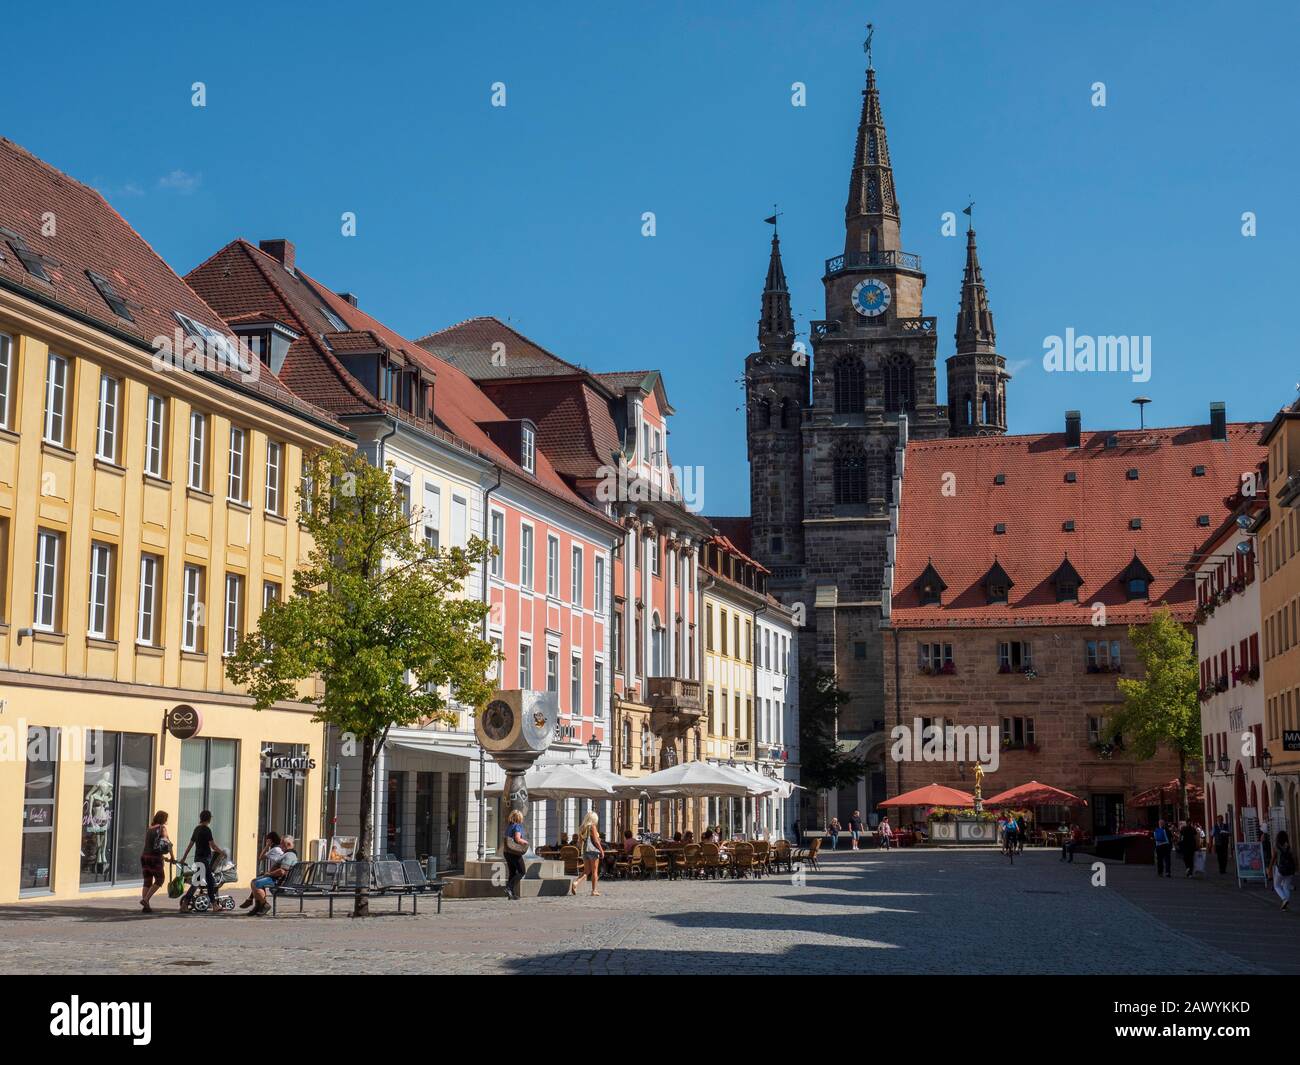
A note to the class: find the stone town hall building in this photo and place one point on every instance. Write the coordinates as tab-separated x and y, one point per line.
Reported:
824	431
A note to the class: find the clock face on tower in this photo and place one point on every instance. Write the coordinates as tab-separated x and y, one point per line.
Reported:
871	297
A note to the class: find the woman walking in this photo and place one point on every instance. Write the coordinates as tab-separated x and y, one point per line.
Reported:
157	845
1281	869
592	851
1187	846
516	846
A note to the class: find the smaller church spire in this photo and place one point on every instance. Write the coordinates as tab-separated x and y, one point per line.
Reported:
776	324
974	319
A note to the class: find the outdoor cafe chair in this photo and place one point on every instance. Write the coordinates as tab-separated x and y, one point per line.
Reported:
652	861
572	860
625	861
762	850
710	864
744	861
691	860
780	855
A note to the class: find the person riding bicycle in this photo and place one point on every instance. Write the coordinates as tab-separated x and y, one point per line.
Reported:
1010	836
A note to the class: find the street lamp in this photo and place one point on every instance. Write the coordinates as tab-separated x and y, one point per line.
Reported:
593	751
1266	760
1223	765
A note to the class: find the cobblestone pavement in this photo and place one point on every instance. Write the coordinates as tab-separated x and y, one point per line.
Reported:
908	911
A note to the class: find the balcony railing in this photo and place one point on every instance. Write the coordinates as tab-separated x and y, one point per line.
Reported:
673	693
861	260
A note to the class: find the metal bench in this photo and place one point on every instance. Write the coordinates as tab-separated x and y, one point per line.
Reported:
341	880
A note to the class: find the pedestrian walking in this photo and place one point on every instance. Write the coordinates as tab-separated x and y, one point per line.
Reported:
1282	869
1188	844
206	849
592	851
1071	844
886	833
1222	841
833	830
516	846
855	827
1164	848
157	845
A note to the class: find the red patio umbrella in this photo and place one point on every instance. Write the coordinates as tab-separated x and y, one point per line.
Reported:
931	795
1034	794
1167	793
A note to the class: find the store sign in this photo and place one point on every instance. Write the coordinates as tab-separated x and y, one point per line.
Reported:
288	767
1291	739
565	732
183	722
741	748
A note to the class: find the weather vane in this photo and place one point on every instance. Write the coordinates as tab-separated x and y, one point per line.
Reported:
771	219
866	45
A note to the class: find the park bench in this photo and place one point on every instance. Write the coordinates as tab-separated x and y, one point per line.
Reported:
340	880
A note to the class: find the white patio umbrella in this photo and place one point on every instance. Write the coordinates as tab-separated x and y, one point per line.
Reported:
565	782
756	783
691	780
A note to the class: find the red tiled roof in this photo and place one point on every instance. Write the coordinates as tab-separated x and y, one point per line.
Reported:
955	529
460	407
738	530
88	234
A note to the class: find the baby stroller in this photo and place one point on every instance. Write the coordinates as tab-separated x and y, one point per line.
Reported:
196	899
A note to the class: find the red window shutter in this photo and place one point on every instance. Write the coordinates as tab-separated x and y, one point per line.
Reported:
1254	650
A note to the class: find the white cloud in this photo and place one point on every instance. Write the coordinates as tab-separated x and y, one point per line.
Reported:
180	181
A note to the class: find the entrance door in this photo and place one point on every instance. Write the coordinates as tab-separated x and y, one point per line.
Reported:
393	815
1107	814
426	788
457	786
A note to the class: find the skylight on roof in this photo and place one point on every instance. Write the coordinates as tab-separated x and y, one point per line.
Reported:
219	351
334	319
35	263
114	301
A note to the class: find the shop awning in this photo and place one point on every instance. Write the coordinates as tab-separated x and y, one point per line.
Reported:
931	795
1034	794
1167	793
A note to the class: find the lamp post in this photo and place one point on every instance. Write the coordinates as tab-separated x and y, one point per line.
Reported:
1266	760
593	751
1224	765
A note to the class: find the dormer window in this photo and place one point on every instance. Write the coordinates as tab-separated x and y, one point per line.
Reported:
1137	579
34	262
1066	581
114	301
997	583
930	586
528	447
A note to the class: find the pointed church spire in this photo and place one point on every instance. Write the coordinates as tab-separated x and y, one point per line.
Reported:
776	324
871	213
974	319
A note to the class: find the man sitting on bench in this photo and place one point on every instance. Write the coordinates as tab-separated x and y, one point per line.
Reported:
287	860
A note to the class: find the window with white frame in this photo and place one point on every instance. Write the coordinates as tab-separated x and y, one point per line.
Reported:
497	532
526	557
599	669
402	482
598	585
553	566
274	477
193	626
106	431
198	464
47	612
99	622
237	482
6	379
552	670
58	382
432	515
525	666
234	619
155	437
498	657
146	625
575	578
459	521
528	448
575	686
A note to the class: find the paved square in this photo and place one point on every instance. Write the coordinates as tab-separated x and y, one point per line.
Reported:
908	911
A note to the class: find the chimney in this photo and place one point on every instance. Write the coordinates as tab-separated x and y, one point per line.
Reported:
280	250
351	297
1073	428
1218	421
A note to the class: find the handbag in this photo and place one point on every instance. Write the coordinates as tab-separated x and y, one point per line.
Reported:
514	846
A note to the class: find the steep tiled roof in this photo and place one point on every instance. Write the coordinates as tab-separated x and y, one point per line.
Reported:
486	348
84	233
460	407
738	530
952	506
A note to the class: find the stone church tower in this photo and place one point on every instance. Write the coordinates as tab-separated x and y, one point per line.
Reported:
824	430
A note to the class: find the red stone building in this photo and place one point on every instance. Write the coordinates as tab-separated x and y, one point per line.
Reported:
1017	567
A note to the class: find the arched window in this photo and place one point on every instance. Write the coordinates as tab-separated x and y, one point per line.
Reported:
645	745
656	647
789	420
968	410
986	410
899	395
763	414
850	386
849	471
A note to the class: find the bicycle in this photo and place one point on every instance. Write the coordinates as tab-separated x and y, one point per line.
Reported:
1009	847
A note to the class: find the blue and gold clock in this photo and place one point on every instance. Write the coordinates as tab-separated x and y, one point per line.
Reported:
871	297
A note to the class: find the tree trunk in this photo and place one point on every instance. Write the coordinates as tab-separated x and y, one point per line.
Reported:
361	907
1186	810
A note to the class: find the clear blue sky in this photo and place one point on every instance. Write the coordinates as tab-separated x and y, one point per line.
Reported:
1122	220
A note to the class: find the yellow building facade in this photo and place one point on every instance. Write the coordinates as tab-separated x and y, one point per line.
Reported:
1277	545
146	514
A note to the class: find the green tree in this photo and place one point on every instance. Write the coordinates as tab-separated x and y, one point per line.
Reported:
376	613
822	765
1162	707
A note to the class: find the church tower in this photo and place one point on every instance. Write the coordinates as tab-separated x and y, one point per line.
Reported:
776	392
977	374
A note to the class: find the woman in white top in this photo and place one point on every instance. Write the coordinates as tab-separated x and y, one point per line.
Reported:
591	851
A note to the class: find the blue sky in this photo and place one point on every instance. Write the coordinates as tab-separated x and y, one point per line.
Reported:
1117	220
